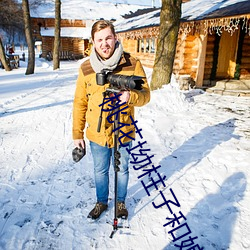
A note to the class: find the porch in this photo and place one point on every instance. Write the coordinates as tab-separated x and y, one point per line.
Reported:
231	87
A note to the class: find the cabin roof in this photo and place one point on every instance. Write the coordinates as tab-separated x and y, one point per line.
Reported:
140	21
208	9
77	32
193	10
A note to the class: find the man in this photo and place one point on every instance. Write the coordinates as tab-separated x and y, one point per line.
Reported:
107	54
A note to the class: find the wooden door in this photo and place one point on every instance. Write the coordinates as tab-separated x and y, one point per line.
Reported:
227	55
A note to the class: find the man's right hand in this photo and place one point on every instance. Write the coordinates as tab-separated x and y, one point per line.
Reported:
79	143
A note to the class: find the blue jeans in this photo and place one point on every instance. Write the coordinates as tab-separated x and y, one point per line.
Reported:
102	157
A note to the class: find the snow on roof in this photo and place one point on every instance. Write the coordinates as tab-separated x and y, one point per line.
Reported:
145	20
85	10
79	32
192	10
198	9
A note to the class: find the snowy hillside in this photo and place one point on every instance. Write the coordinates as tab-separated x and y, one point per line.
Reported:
86	10
200	140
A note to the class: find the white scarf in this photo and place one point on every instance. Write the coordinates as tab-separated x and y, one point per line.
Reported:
98	64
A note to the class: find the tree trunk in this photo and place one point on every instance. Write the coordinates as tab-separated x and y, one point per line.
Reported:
168	34
56	59
3	57
28	33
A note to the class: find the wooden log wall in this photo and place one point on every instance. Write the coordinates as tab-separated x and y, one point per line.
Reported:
50	22
190	56
79	46
186	55
146	59
178	61
185	59
131	46
47	45
66	44
73	45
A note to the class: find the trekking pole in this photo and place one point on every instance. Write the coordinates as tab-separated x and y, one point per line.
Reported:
117	156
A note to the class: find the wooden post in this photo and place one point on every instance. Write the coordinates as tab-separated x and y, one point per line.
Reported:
201	60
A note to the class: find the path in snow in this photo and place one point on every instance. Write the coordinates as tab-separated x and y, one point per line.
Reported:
201	142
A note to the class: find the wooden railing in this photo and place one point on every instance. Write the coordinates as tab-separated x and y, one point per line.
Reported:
64	55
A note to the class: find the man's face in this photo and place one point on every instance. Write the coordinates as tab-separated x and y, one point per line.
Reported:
104	42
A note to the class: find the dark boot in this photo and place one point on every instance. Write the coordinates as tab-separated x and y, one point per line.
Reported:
122	211
97	210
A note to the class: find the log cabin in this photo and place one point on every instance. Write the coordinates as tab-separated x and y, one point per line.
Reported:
213	41
74	37
77	19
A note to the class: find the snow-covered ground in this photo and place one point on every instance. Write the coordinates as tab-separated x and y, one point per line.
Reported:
200	140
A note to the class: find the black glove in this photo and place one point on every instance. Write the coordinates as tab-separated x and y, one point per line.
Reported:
78	153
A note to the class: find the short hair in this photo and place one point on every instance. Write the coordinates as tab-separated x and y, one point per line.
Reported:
101	24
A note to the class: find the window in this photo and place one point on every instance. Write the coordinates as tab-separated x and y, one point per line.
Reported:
146	45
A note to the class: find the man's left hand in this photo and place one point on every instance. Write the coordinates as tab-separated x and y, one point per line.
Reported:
124	97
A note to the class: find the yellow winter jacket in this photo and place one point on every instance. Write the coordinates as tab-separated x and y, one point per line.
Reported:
89	95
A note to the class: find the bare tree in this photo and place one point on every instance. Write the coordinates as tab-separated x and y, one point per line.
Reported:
11	16
168	34
11	24
3	57
56	59
28	33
